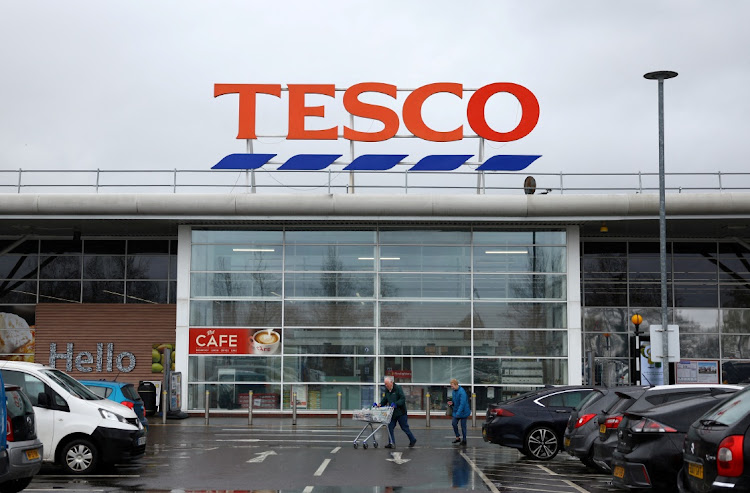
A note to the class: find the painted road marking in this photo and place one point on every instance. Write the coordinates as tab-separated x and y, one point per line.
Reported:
335	450
261	456
569	483
322	467
481	475
308	489
397	458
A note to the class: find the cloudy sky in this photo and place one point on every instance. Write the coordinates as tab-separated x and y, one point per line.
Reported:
129	85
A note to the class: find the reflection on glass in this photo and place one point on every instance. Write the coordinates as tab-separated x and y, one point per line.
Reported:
519	237
515	286
329	313
699	345
421	369
520	315
424	258
429	342
146	291
596	293
231	369
696	294
329	237
329	257
329	369
329	341
325	397
425	286
143	267
103	292
613	269
607	345
60	267
235	313
18	266
697	320
235	285
608	319
519	259
330	285
238	237
424	237
424	314
734	295
12	291
101	267
520	343
236	258
735	346
735	321
507	371
234	396
59	291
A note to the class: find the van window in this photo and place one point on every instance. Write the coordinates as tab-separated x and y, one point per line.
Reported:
71	385
101	391
30	384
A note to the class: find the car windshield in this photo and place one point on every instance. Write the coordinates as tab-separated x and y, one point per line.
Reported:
734	409
71	385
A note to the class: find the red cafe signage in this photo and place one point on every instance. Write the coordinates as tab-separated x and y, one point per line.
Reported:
411	112
233	341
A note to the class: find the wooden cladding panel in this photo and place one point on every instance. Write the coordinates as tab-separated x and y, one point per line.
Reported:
130	328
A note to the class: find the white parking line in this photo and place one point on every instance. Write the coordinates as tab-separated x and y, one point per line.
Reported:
335	450
481	475
569	483
308	489
322	467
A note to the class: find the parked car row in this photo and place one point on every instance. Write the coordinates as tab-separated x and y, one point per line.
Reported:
695	438
96	431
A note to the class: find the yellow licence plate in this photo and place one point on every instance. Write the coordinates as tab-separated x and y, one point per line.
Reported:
567	442
32	454
695	470
619	472
602	429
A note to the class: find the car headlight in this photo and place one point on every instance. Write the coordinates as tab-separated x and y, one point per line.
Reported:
110	415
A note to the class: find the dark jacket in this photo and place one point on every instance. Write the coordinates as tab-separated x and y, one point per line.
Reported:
395	396
461	407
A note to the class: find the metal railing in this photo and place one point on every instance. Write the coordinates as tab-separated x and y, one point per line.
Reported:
335	180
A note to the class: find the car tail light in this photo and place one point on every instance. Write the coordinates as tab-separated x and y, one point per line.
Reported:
8	429
730	458
127	404
499	411
651	426
584	419
613	422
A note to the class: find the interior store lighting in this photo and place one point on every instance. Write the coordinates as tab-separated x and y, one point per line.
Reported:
496	252
253	250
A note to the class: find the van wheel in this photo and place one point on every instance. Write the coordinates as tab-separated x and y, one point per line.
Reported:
79	456
15	485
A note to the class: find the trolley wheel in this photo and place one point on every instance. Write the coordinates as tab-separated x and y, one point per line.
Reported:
364	445
375	444
355	445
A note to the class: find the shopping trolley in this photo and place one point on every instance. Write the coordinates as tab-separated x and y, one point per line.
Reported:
376	415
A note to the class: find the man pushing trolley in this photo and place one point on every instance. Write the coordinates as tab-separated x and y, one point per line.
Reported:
394	397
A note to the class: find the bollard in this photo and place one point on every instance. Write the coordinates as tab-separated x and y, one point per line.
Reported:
163	407
250	408
473	410
427	411
294	408
338	409
208	403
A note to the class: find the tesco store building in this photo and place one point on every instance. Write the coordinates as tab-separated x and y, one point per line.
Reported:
325	293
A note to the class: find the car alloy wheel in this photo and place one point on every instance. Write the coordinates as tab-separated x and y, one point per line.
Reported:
79	457
542	443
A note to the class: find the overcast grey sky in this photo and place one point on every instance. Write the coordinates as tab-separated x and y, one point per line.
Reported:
101	84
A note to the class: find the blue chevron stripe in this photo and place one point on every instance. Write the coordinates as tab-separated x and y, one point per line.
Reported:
243	161
375	162
440	162
504	162
309	162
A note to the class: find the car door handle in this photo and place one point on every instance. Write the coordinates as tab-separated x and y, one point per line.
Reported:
562	411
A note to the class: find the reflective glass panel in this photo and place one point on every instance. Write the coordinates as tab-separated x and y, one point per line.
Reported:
424	314
596	293
330	285
612	269
18	266
425	286
604	249
26	247
329	341
519	237
531	286
235	285
329	257
104	291
237	237
519	259
103	267
234	396
60	267
735	321
143	267
232	369
648	294
146	291
608	319
734	269
60	247
329	313
325	397
235	313
696	294
520	343
329	237
734	295
236	258
104	247
427	342
424	259
424	237
148	247
699	345
520	315
735	346
697	320
59	291
507	371
695	261
607	344
17	291
423	369
329	369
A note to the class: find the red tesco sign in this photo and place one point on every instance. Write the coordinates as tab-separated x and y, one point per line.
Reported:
411	111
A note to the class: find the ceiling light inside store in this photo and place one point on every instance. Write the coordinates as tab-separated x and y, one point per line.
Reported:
381	258
253	250
494	252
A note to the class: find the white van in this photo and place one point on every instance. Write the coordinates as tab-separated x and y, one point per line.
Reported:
79	429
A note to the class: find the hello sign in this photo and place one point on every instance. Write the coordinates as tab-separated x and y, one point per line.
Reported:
411	115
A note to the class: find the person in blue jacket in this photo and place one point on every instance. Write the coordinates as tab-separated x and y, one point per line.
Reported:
461	410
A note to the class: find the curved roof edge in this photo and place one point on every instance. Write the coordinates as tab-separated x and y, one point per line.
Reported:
235	205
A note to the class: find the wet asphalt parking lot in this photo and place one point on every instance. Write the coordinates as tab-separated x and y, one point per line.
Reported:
317	456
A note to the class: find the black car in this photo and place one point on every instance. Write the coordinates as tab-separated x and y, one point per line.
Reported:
608	421
583	425
649	447
534	422
661	394
716	453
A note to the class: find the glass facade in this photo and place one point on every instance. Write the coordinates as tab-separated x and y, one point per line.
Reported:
708	287
486	307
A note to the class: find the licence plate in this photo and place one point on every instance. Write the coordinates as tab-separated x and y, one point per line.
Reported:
567	442
695	470
142	440
619	472
32	454
602	428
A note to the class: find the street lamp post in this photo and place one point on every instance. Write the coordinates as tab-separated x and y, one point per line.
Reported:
637	320
661	76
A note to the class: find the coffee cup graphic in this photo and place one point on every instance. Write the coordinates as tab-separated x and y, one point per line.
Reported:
265	342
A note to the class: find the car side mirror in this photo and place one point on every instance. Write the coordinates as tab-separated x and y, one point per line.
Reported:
42	400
